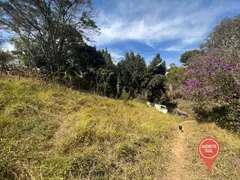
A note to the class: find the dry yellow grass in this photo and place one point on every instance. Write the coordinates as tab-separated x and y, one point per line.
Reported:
51	132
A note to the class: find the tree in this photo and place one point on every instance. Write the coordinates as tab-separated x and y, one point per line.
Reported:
155	88
172	65
111	83
214	79
131	73
157	66
189	56
104	74
48	29
101	77
154	79
21	52
86	57
225	38
107	57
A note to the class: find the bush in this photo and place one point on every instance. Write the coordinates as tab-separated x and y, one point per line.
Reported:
125	96
175	80
223	116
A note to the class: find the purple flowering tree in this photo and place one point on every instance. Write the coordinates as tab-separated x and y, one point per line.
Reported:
214	79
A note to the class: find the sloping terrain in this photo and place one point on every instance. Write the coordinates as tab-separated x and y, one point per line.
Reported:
187	164
51	132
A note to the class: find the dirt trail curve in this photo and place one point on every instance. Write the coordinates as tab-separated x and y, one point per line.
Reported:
176	170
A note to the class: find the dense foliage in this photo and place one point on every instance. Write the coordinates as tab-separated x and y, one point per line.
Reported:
217	80
138	79
51	37
213	78
175	80
131	73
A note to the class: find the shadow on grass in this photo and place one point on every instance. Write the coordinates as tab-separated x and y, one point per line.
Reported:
222	116
171	106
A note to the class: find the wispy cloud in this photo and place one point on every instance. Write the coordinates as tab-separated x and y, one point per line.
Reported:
177	48
174	48
153	22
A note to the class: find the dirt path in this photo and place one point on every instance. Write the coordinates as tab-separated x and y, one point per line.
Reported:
176	170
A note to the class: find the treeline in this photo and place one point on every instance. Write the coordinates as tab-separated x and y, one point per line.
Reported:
93	70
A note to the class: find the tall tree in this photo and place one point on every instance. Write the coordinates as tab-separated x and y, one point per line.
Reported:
107	57
154	79
132	72
48	29
157	66
225	38
110	87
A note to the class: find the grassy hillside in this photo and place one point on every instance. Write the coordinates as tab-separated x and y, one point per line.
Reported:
51	132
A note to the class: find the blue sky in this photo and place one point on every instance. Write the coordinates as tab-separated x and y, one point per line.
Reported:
148	27
169	27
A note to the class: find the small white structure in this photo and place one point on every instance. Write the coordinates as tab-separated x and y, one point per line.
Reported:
161	108
150	104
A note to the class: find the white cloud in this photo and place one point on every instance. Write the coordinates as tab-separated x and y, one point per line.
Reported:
157	21
175	48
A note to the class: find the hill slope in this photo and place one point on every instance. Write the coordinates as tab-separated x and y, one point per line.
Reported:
51	132
187	164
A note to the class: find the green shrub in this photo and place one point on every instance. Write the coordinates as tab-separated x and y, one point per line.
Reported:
125	96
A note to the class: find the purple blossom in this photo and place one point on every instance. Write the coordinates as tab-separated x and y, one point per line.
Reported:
190	71
208	77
